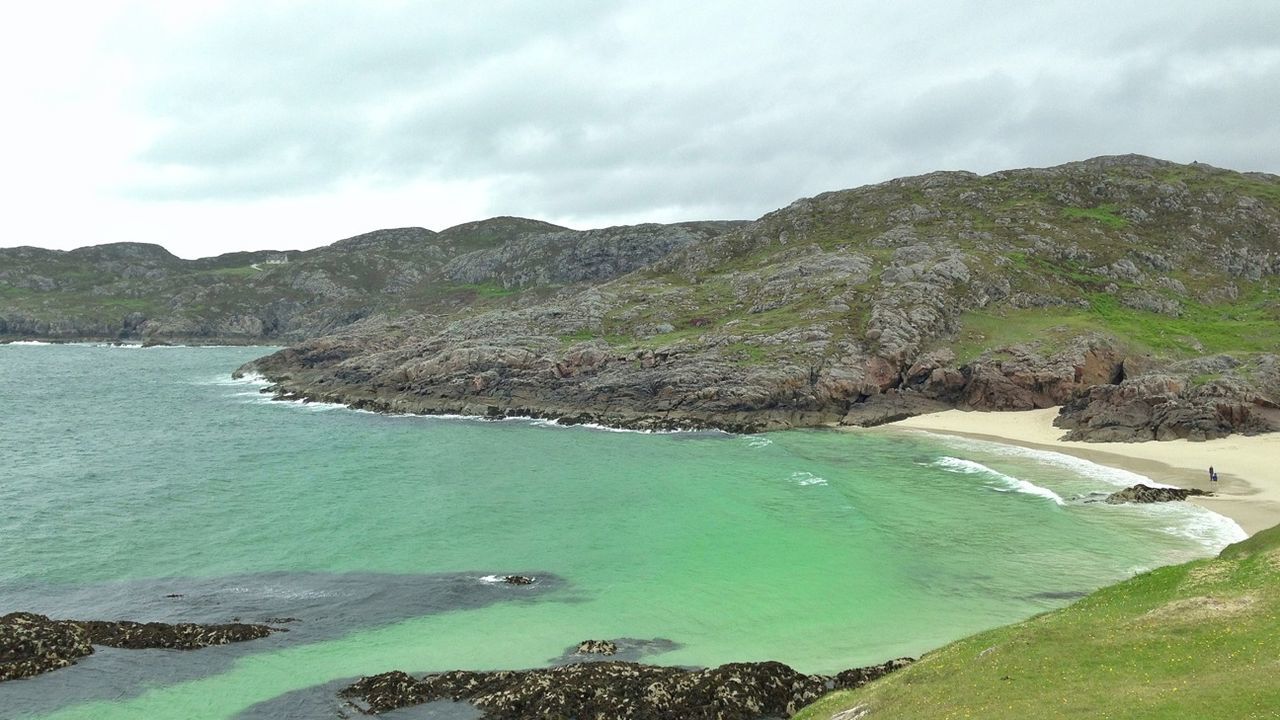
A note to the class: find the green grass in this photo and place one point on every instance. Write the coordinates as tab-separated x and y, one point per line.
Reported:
491	290
1251	324
1219	181
1104	214
1198	640
236	272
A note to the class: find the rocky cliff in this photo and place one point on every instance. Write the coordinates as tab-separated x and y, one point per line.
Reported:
1081	285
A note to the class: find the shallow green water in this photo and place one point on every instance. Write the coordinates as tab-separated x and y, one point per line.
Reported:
823	550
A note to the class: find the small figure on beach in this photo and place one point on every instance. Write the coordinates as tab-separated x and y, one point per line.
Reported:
1213	475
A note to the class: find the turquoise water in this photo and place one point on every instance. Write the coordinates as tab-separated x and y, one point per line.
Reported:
130	471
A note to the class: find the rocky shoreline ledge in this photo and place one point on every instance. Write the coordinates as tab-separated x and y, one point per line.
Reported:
1105	395
32	644
618	690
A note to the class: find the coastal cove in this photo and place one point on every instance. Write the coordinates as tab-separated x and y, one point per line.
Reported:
134	474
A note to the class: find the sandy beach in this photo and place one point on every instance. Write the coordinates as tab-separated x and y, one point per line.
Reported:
1248	489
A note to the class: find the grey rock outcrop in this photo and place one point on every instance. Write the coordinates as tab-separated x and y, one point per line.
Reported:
1146	494
1166	407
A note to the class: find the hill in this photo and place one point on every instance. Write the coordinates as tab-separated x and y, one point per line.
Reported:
1144	293
132	291
1199	640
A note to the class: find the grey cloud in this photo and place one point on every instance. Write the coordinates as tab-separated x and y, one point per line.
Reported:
584	109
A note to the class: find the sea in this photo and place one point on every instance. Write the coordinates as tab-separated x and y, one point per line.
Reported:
146	484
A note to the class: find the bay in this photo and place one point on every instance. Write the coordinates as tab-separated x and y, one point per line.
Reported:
132	474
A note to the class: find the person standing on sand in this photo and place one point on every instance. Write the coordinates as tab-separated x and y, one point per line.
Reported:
1213	476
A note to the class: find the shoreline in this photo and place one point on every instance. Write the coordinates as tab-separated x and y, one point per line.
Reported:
1248	490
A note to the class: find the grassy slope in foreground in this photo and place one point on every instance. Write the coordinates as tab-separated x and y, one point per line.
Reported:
1198	640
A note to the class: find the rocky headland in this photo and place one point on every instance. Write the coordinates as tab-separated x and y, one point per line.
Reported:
1141	295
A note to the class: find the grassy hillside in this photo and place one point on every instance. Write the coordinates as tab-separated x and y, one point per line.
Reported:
1200	640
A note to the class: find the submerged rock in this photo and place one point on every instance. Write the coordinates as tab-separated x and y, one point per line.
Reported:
518	580
179	636
32	644
621	690
596	647
1145	494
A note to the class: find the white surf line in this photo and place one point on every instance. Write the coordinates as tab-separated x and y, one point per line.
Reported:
970	467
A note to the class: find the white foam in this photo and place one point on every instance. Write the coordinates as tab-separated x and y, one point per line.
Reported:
498	579
251	378
969	467
551	423
1118	477
1196	523
758	441
29	342
803	478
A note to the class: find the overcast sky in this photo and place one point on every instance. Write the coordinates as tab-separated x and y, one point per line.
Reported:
215	126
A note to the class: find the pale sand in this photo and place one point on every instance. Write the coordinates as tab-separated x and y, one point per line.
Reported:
1248	487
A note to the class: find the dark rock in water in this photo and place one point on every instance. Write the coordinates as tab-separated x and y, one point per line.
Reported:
388	691
1144	494
1059	595
180	636
517	580
596	647
327	605
31	644
622	690
624	648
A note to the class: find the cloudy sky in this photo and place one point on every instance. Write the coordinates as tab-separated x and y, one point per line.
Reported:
216	126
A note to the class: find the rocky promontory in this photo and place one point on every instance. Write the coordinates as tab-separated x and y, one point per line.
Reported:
616	690
1081	285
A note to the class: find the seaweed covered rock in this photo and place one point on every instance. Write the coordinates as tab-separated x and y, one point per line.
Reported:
32	644
596	647
621	690
179	636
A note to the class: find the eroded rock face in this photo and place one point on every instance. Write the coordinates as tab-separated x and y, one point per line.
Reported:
625	691
1164	407
1145	494
31	644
